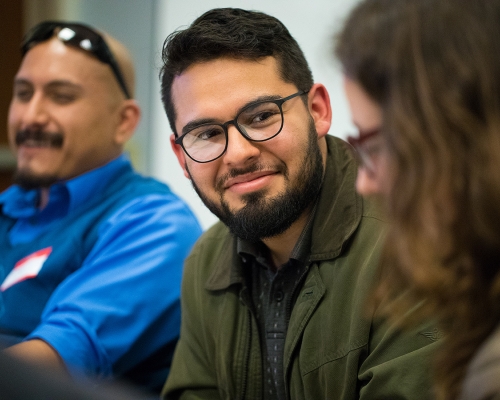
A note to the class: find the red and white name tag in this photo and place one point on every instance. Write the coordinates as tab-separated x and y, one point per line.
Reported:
26	268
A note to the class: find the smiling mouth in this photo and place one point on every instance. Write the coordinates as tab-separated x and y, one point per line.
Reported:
247	178
251	178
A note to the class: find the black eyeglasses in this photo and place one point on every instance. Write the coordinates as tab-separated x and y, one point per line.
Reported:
258	122
368	146
77	35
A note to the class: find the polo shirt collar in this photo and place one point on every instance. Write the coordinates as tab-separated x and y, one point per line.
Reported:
64	196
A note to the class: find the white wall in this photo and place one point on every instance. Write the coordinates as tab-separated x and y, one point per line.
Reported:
312	24
143	25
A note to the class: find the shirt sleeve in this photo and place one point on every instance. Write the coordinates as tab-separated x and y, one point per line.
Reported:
126	294
194	372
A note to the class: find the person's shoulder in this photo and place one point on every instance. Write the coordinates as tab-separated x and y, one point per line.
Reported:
214	243
373	209
147	183
149	189
344	156
215	237
213	253
147	198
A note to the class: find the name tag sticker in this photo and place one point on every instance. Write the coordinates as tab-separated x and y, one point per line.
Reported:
26	268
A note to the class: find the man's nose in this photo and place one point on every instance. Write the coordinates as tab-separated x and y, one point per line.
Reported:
35	113
239	149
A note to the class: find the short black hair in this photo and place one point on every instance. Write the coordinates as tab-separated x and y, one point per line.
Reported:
232	33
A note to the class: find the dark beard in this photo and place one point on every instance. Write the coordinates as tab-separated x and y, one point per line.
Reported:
28	181
36	137
262	218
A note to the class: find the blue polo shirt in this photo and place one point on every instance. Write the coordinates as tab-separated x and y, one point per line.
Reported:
96	274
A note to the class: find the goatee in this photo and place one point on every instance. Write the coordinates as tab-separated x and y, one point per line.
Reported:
262	218
36	138
29	181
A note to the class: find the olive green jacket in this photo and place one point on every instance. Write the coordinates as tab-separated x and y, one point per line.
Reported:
333	349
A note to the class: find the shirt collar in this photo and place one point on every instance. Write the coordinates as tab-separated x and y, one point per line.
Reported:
83	187
338	214
17	202
300	252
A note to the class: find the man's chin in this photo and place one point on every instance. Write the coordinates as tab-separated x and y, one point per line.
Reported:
28	180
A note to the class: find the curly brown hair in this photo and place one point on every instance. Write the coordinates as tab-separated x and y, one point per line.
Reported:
434	68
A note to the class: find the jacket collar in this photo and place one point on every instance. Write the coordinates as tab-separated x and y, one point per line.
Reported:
340	207
338	214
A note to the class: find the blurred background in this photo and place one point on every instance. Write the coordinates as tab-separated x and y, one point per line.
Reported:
143	25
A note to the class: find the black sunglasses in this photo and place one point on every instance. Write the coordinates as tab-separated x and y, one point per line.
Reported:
77	35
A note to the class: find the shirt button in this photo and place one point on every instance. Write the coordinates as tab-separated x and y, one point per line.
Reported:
278	296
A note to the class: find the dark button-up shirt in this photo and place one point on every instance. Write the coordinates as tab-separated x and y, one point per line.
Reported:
273	296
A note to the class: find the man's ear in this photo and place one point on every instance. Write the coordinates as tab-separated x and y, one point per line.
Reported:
320	108
181	156
129	117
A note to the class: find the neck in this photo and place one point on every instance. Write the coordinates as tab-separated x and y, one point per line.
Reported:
281	247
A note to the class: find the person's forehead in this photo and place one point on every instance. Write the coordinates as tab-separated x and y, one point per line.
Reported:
226	83
364	110
53	59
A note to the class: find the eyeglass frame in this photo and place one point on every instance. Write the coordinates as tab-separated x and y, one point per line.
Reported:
224	126
357	143
45	30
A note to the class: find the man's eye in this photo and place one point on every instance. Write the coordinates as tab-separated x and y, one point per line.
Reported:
63	98
260	116
206	133
263	116
23	94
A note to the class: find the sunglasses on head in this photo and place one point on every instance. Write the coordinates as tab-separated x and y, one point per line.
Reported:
77	35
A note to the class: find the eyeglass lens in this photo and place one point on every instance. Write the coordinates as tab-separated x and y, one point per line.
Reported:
369	148
257	122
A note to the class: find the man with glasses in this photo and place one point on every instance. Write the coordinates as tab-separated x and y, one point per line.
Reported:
92	252
274	297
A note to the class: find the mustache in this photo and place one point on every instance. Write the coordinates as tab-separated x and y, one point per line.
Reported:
37	137
234	172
